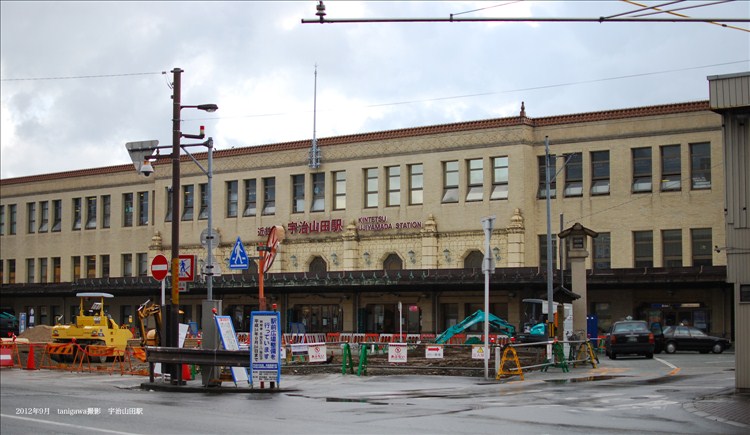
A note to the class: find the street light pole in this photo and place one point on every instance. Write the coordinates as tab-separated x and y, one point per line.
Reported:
172	331
550	303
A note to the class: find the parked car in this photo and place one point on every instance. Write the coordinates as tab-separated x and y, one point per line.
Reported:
690	338
630	337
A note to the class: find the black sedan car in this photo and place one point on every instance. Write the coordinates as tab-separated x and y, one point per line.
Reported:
630	337
689	338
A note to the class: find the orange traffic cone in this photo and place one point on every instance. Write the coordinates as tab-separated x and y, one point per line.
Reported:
186	375
30	363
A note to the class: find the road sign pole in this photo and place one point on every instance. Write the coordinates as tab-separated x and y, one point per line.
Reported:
261	272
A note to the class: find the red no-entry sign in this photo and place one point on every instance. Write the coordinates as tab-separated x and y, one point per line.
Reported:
159	267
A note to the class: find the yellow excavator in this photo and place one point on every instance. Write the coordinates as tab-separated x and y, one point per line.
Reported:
150	337
92	326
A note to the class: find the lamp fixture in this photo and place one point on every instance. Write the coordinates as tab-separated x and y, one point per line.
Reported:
293	259
412	257
447	255
366	257
335	258
496	253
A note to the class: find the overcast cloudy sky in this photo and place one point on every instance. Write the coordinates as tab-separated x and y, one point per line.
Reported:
80	79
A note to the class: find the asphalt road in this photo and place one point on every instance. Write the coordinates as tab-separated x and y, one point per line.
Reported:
625	396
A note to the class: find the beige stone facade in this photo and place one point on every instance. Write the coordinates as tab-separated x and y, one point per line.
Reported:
352	256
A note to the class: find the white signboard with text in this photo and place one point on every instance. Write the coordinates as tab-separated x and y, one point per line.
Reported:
265	343
396	352
433	351
316	352
229	340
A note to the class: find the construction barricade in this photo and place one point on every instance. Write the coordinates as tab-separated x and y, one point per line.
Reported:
103	355
9	356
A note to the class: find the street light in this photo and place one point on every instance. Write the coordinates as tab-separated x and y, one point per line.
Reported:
141	153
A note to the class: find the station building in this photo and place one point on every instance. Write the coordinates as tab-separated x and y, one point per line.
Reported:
392	219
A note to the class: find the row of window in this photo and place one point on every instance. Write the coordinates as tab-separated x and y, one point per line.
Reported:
88	266
643	249
642	171
89	213
92	212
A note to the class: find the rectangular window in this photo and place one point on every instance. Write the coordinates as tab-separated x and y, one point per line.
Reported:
31	217
106	210
450	181
671	172
700	165
701	244
56	215
672	247
416	184
142	259
476	180
203	209
269	195
44	216
643	248
11	219
56	269
602	251
76	267
127	265
90	266
90	212
127	210
142	208
371	187
251	201
232	199
339	190
168	217
600	173
188	204
393	187
77	213
499	178
2	221
298	193
30	263
542	192
104	265
318	192
573	175
43	271
642	177
11	271
543	251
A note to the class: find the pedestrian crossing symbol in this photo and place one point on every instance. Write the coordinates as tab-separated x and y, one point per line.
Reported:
239	259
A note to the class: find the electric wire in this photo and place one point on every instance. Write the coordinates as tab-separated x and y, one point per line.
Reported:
82	77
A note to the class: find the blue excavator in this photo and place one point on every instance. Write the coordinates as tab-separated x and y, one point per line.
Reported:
473	319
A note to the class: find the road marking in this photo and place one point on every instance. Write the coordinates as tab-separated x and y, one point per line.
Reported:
674	368
54	423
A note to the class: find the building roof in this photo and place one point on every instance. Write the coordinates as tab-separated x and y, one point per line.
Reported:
636	112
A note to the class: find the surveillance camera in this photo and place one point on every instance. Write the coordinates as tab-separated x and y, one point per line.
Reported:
147	169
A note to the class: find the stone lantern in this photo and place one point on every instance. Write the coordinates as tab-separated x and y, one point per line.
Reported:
577	254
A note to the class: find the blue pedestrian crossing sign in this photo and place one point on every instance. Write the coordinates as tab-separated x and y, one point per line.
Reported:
239	259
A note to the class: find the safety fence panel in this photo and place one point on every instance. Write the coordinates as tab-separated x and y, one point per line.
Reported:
9	356
57	356
102	354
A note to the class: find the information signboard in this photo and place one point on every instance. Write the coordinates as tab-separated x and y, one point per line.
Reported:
396	352
229	340
265	341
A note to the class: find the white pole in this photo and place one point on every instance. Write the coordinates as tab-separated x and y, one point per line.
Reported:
487	225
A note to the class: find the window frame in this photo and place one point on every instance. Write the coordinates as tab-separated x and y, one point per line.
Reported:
474	180
646	243
339	190
393	186
700	166
233	203
702	253
600	173
671	168
318	191
91	215
642	177
250	187
450	187
127	209
573	175
77	214
269	196
550	166
188	202
500	177
671	241
143	207
416	184
31	217
372	187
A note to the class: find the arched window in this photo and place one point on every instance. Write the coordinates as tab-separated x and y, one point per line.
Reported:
393	262
474	260
318	265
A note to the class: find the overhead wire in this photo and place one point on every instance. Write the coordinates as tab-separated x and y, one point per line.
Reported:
81	77
671	12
